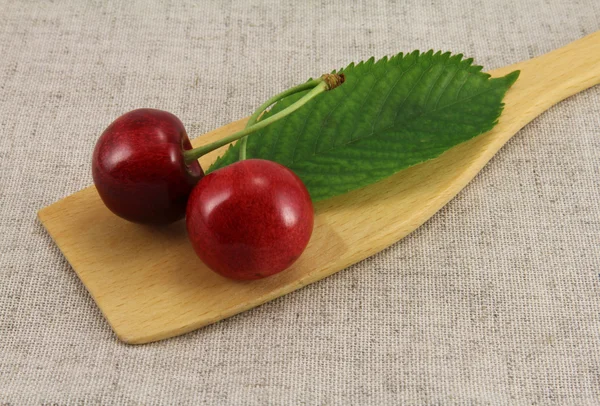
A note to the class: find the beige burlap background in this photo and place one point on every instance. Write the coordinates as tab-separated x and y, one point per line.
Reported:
496	300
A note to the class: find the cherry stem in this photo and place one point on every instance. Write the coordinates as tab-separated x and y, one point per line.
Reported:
324	83
254	117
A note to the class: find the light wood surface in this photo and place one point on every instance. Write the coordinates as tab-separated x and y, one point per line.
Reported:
150	285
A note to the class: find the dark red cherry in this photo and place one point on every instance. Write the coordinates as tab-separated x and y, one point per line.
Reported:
250	219
139	169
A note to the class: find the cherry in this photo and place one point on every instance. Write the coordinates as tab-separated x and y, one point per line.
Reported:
250	219
139	169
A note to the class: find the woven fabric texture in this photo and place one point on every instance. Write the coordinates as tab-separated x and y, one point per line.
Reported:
495	300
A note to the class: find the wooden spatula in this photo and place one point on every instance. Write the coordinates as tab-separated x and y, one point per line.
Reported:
150	285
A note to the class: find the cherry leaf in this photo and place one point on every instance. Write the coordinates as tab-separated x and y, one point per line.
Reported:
389	115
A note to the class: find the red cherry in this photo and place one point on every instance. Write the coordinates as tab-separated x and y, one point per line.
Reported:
139	169
250	219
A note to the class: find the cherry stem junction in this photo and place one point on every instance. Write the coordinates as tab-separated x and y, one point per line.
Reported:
317	86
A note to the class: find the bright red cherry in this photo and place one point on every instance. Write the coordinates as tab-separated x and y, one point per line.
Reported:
139	169
250	219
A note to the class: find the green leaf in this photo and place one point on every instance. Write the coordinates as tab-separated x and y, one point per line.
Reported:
387	116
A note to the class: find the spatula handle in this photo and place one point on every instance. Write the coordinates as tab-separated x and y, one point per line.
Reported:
552	77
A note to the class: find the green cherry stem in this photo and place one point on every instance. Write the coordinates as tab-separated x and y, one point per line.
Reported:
326	82
254	117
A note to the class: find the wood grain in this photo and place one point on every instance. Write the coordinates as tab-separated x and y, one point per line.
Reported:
150	285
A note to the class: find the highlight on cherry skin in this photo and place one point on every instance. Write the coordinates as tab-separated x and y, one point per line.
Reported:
250	219
139	169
